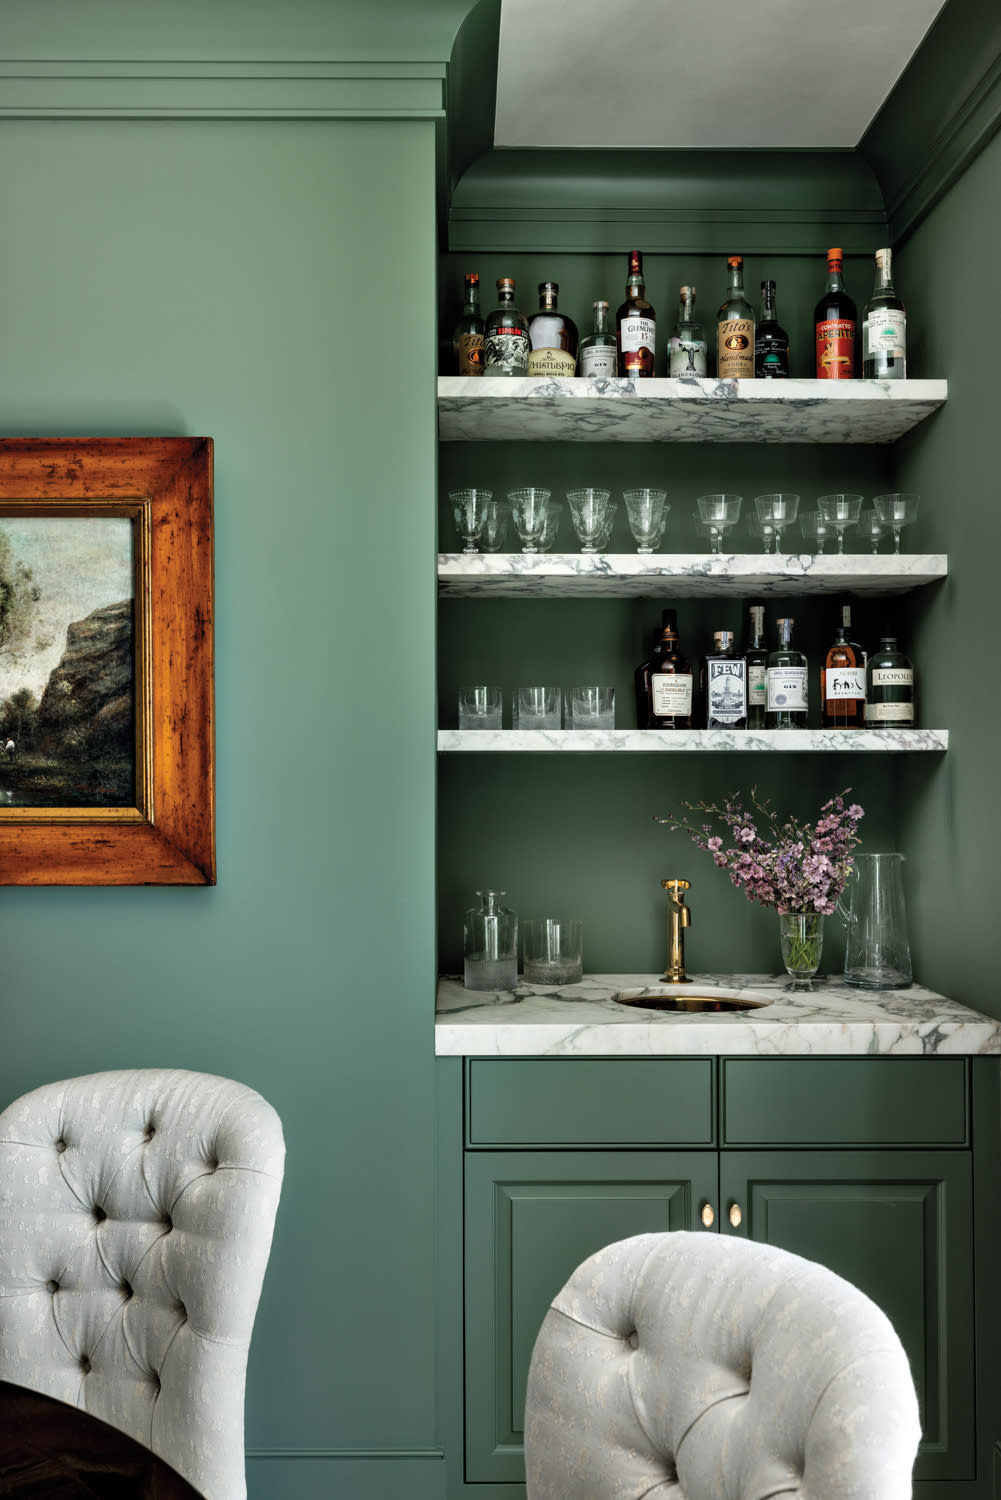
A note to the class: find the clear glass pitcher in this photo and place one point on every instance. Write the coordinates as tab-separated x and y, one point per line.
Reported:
877	952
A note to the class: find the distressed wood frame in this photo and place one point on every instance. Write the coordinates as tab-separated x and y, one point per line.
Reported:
165	486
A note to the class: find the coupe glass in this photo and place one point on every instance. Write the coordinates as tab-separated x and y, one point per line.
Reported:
529	509
719	512
896	511
647	510
840	511
775	512
588	508
470	510
493	537
815	529
871	529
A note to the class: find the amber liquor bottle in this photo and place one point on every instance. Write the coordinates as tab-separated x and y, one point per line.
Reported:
724	684
735	327
552	335
635	324
665	683
835	321
842	680
467	336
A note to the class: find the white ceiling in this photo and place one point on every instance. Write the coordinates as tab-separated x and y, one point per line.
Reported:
710	73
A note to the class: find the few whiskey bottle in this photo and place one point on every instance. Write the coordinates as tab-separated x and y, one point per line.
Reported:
724	684
884	327
635	324
786	683
771	342
842	680
735	328
552	335
597	357
467	336
506	344
756	656
834	321
664	683
889	687
686	353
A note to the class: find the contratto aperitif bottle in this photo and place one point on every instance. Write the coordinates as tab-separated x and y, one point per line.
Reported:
835	320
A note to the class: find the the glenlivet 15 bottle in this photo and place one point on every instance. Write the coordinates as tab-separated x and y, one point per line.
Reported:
636	324
771	342
597	357
834	321
884	327
552	335
889	687
664	683
467	337
506	344
735	327
786	683
724	684
686	353
842	680
756	656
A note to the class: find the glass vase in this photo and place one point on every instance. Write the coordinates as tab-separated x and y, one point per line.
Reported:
801	934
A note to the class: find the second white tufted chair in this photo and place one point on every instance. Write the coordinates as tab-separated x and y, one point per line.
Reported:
136	1216
701	1367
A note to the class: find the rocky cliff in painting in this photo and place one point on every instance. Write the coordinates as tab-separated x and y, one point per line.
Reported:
87	708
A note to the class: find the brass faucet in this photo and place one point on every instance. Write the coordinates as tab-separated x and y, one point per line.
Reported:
678	918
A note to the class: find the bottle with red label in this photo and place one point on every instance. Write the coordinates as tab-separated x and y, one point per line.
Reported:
635	325
835	323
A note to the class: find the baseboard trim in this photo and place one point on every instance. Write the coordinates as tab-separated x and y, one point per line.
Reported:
362	1473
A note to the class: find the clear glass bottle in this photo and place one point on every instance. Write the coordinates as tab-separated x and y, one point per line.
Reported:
490	945
686	353
724	684
771	342
889	687
553	337
735	328
467	336
884	327
842	680
834	322
756	656
786	683
665	682
635	324
506	345
597	358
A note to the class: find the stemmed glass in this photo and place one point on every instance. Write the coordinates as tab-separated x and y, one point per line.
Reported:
529	509
493	537
470	510
605	535
647	511
775	512
551	530
815	529
588	508
870	529
719	512
897	511
840	511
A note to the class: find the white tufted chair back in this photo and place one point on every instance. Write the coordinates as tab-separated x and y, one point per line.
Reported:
702	1367
136	1215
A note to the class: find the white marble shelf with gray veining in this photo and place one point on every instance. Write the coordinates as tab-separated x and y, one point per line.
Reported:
583	1020
654	741
683	411
685	575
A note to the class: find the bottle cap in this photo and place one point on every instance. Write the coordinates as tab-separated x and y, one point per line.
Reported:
669	619
768	286
503	281
473	276
835	257
635	260
688	291
735	260
723	638
601	304
548	286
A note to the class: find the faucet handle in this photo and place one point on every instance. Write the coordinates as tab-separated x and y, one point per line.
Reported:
677	886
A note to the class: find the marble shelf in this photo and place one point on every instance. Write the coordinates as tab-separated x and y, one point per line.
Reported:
683	411
655	741
685	575
582	1020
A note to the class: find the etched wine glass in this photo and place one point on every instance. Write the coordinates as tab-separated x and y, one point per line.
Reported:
871	529
493	537
470	510
897	511
776	512
840	511
607	527
588	508
815	529
647	510
719	512
529	508
551	530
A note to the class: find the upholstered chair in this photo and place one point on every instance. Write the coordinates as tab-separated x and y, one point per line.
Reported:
704	1367
136	1216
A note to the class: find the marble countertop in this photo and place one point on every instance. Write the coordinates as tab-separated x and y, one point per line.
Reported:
582	1020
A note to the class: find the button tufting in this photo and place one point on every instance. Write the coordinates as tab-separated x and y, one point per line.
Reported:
633	1339
60	1145
99	1213
150	1131
126	1289
52	1286
85	1364
168	1223
182	1311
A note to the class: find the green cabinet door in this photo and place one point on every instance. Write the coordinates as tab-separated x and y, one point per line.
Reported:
899	1225
531	1217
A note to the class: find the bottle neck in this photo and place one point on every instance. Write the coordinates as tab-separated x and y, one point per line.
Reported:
472	302
601	317
686	308
884	276
767	306
757	627
547	301
635	287
737	279
785	633
835	277
505	297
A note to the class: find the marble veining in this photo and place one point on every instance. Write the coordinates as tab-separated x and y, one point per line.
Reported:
683	410
583	1020
481	741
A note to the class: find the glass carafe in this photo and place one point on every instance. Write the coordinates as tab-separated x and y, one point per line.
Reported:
490	945
877	951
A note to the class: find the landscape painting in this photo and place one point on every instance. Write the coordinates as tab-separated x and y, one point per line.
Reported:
67	662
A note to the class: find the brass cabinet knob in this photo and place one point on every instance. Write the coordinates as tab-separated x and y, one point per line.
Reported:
708	1217
735	1214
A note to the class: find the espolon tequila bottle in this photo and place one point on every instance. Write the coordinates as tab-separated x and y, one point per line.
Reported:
506	344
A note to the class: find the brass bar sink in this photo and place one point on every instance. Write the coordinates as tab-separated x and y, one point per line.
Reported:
678	997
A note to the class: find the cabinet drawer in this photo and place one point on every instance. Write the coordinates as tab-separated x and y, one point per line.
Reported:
845	1101
604	1101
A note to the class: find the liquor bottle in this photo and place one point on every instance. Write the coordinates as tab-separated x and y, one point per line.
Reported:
834	326
842	680
786	683
467	337
598	355
771	342
724	684
687	349
635	324
505	342
552	335
889	687
756	656
664	683
884	327
735	328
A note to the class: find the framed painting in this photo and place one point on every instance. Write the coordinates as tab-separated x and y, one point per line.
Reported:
107	754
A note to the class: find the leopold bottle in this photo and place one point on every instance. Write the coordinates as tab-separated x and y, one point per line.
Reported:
664	683
490	945
785	683
467	337
597	358
635	324
687	350
735	328
889	687
842	681
834	326
724	684
884	327
553	336
506	344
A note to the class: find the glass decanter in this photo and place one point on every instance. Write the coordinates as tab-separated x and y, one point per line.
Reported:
490	945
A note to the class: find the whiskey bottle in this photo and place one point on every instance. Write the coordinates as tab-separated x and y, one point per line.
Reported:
889	687
467	337
756	656
635	324
724	684
884	327
735	328
686	354
597	357
834	320
786	683
664	683
505	342
842	680
771	342
552	335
